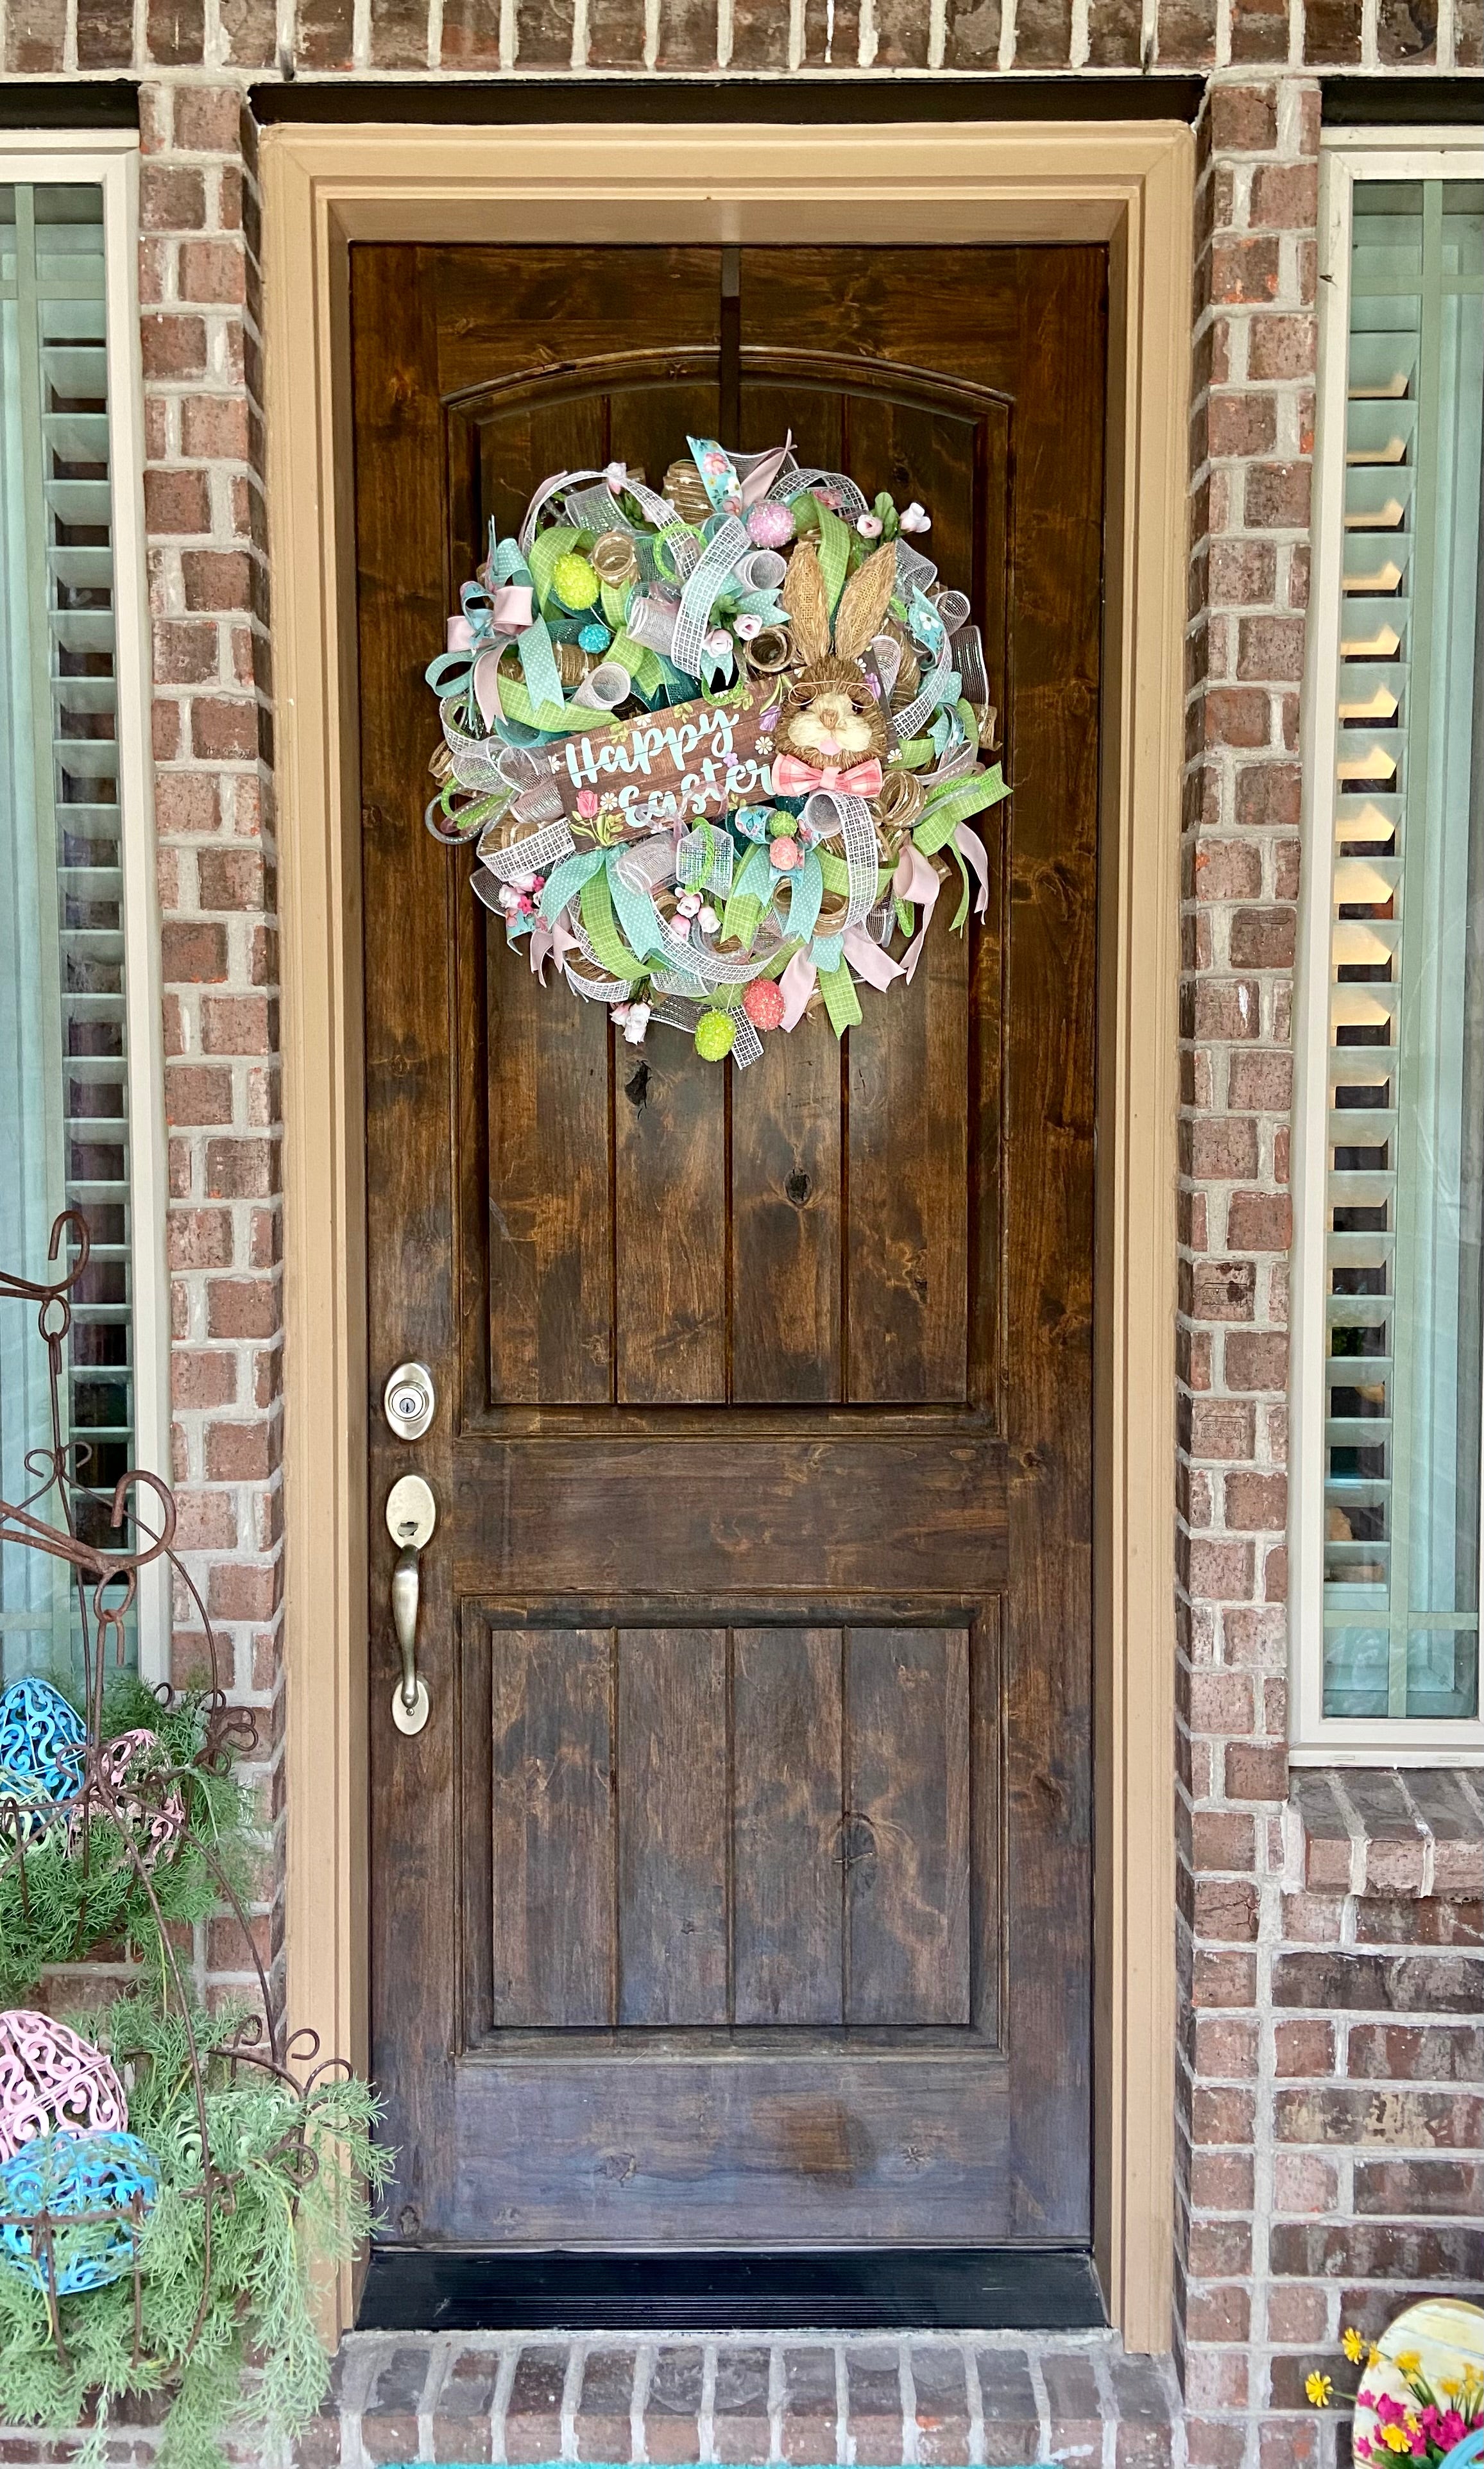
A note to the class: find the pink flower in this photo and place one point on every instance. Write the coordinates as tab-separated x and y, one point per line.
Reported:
1361	2446
1451	2429
587	803
1419	2443
827	497
1389	2411
748	627
868	526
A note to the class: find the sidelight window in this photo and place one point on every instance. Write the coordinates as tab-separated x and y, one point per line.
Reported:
79	1107
1389	1169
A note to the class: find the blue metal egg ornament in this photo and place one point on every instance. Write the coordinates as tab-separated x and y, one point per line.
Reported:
42	1739
64	2175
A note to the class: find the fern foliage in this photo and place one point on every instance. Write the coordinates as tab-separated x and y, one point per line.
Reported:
227	2261
58	1904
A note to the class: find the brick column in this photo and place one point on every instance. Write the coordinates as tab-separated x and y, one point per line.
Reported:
1251	442
208	596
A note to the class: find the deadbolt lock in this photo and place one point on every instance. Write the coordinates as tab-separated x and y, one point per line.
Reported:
409	1401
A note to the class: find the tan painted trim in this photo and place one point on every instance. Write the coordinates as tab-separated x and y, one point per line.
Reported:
1131	187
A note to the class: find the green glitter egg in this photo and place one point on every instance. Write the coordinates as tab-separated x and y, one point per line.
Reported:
574	581
715	1031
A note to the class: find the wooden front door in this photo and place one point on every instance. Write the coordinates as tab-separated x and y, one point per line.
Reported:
738	1890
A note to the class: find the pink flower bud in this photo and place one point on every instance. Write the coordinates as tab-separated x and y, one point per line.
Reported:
868	526
587	803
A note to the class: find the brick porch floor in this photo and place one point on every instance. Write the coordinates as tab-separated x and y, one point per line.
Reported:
798	2398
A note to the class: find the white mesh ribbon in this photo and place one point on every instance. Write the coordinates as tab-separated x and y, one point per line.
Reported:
913	571
720	555
596	510
917	714
829	813
603	990
790	484
536	854
703	862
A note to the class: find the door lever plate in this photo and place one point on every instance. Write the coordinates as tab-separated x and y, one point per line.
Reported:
411	1513
409	1400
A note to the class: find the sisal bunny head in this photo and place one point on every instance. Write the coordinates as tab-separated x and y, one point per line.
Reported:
832	717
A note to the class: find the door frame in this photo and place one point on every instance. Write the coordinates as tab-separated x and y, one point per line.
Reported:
1129	185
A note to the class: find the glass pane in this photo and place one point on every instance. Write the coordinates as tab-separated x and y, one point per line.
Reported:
1407	999
63	1090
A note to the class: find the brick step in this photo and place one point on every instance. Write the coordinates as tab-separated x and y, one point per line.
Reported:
801	2397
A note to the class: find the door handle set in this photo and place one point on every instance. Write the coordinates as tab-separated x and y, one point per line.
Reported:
412	1514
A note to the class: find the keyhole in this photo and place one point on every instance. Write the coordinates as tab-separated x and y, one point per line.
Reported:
798	1187
636	1088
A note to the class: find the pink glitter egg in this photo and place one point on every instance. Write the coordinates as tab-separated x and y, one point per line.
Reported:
763	1004
50	2079
783	854
771	526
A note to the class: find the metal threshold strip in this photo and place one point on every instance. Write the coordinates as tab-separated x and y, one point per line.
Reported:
1041	2288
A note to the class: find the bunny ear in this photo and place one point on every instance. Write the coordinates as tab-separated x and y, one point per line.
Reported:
863	603
803	597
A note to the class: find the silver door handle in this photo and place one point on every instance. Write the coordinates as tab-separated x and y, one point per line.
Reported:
412	1514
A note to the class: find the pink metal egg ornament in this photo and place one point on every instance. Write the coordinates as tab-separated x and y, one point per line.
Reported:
783	854
763	1004
771	526
49	2077
125	1766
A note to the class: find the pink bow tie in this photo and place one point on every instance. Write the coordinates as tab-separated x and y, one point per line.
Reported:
509	611
792	778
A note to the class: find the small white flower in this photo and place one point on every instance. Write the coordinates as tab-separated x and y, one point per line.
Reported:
708	921
717	643
748	627
523	882
616	475
913	518
688	904
636	1023
868	526
509	898
620	1012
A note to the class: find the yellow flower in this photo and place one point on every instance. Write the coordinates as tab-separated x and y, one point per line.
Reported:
1318	2388
1396	2439
1409	2363
1450	2388
1353	2345
1375	2356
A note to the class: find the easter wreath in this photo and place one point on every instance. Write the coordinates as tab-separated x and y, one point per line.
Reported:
717	746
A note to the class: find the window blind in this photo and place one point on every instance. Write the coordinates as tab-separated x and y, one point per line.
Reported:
1405	1121
64	1055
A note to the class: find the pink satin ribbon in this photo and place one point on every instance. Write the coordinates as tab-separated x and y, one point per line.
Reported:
510	612
792	778
914	880
868	959
796	984
550	943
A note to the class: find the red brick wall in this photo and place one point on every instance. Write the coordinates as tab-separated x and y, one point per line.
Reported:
1282	2203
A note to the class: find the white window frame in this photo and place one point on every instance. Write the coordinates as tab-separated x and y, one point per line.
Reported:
1347	156
111	160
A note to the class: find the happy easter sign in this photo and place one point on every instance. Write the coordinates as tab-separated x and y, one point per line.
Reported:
681	763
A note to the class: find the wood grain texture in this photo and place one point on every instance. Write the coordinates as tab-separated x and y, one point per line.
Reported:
549	1201
671	1787
551	1864
654	1312
907	1822
670	1224
786	1203
787	1839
